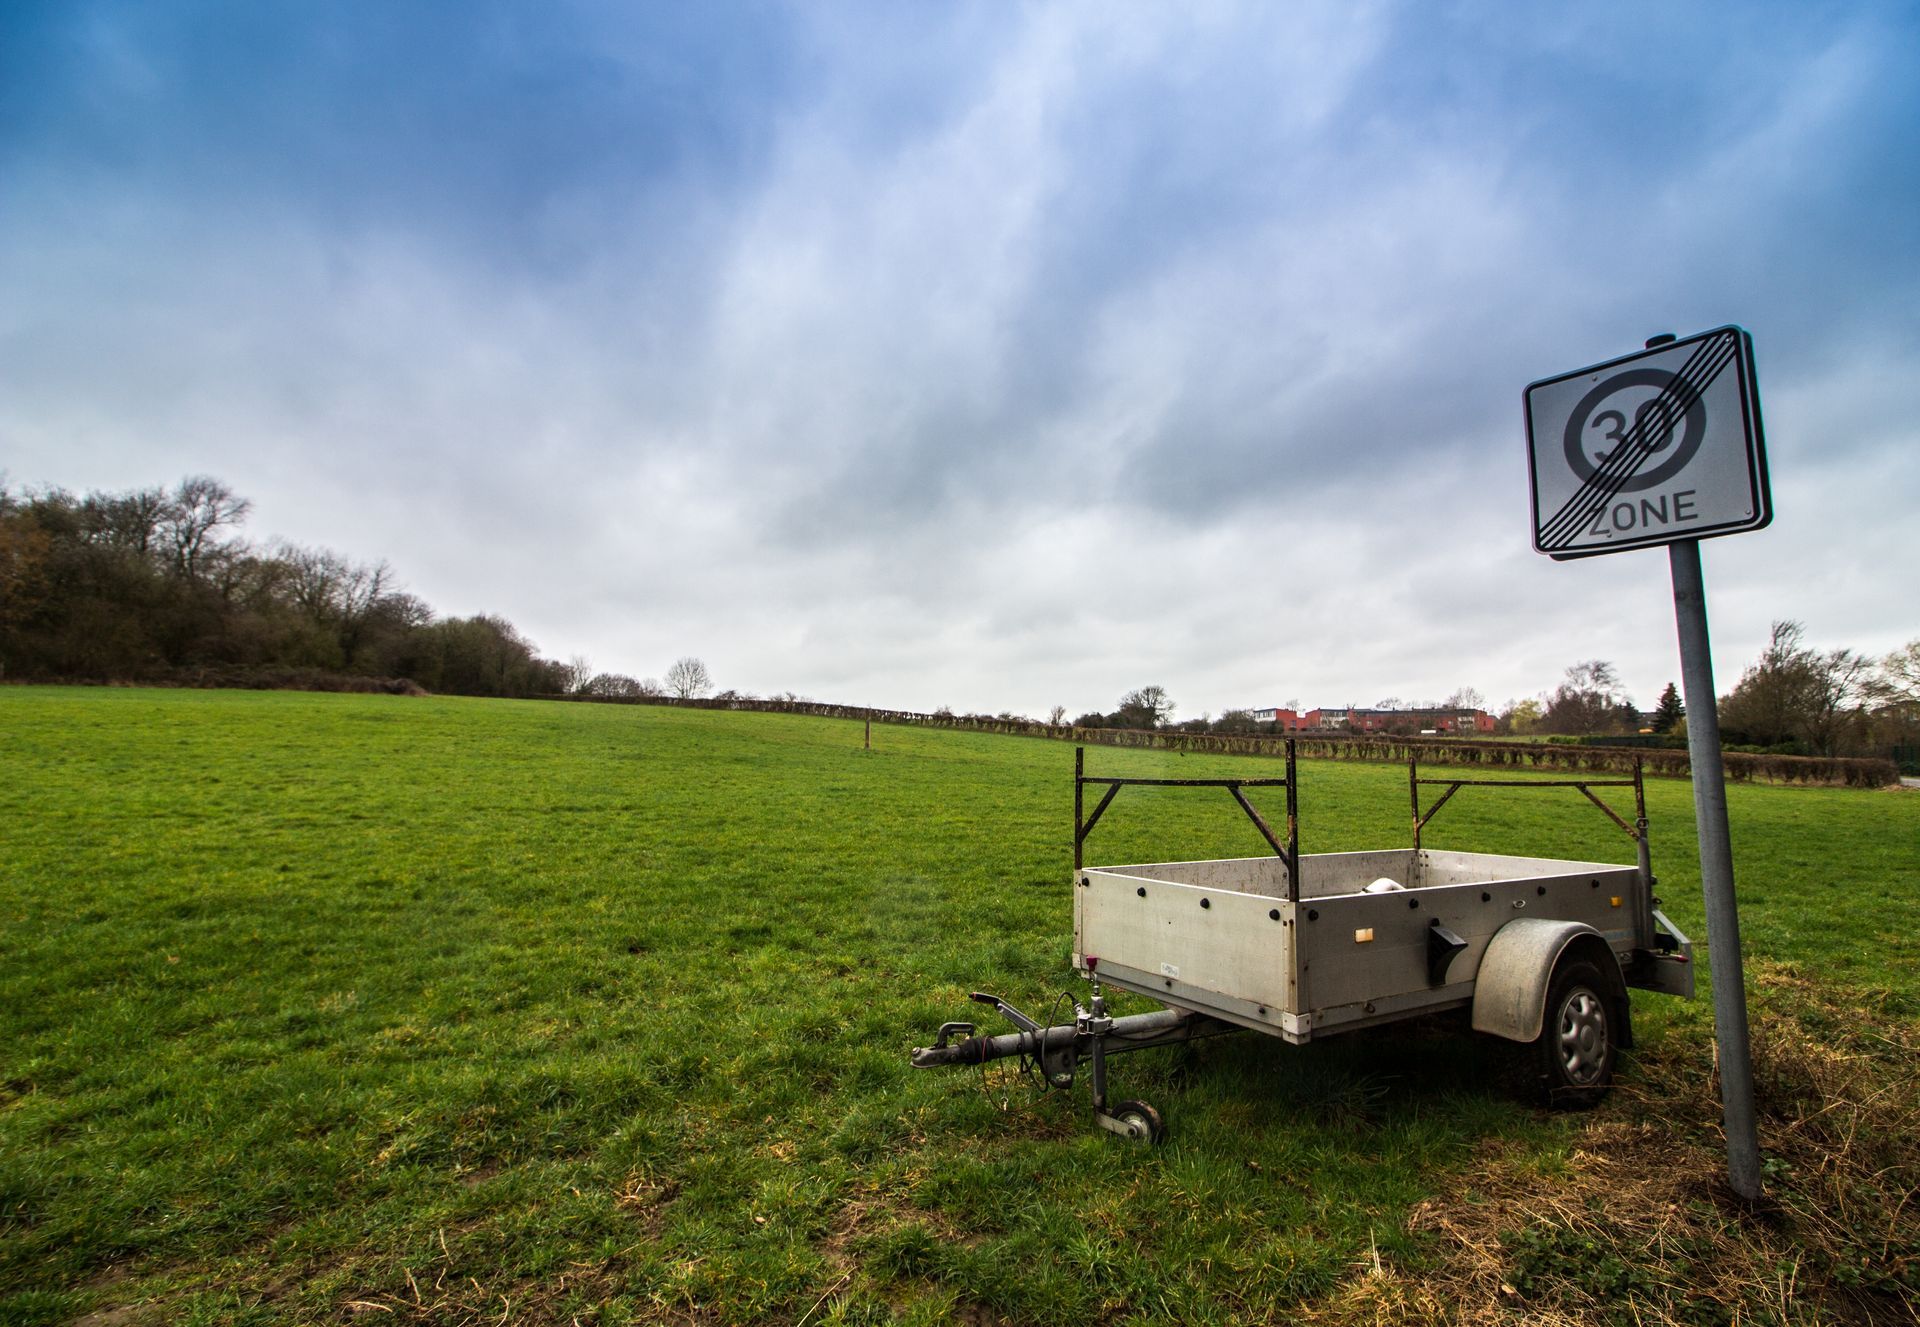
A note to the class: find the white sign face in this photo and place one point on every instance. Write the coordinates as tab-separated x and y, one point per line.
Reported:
1648	449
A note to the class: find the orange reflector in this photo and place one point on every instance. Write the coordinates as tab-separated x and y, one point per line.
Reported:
1616	900
1363	935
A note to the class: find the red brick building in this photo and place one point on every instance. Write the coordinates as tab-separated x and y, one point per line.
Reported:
1442	721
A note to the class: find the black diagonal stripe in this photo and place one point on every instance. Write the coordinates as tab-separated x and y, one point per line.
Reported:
1682	393
1636	447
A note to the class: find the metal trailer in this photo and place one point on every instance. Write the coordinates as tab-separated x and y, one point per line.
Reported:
1541	950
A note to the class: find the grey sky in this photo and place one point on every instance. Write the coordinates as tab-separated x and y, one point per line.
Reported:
994	357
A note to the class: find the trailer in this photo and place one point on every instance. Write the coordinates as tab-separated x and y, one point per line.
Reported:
1540	950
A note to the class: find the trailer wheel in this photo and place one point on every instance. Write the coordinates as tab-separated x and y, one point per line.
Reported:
1576	1047
1143	1122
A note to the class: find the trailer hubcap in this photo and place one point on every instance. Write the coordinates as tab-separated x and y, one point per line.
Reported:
1583	1036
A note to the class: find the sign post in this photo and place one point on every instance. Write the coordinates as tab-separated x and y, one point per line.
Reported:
1665	447
1716	869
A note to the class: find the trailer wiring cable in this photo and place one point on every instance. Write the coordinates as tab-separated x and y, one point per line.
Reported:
1005	1104
1030	1067
1053	1010
1039	1069
1028	1064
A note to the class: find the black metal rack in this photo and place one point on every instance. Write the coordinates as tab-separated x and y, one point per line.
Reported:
1287	849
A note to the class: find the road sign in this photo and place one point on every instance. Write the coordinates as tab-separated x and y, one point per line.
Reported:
1664	447
1647	449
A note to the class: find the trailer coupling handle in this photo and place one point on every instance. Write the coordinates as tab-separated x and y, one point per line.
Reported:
1007	1011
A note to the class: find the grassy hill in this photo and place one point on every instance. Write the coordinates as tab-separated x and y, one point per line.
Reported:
326	1007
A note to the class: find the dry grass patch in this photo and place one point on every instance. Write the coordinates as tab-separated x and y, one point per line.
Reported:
1640	1226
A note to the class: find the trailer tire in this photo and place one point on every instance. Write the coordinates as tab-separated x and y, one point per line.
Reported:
1138	1115
1578	1043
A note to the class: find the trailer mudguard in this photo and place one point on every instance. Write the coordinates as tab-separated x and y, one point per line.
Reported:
1510	993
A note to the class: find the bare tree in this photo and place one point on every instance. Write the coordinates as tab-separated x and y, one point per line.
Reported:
1771	695
1840	681
575	673
311	578
1589	701
23	555
614	684
1148	707
1466	698
1057	715
405	611
132	521
1895	695
346	598
688	678
363	593
1797	693
201	506
1898	682
1598	677
1236	721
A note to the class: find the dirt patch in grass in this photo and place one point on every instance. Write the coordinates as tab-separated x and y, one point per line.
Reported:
107	1284
1641	1227
648	1198
114	1317
442	1293
478	1175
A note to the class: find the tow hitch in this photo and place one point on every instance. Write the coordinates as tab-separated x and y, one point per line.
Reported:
1059	1051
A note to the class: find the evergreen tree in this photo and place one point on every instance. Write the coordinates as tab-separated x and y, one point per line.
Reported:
1669	711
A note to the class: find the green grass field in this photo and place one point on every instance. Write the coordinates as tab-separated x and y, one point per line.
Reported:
326	1007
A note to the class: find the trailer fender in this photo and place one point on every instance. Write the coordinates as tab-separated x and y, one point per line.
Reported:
1510	993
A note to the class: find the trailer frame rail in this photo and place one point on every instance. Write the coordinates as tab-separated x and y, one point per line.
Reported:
1637	831
1287	849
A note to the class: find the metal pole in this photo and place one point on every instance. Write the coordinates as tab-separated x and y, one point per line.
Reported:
1643	904
1716	869
1079	804
1293	826
1413	786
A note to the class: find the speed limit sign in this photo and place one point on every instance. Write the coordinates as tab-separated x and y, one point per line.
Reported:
1664	447
1647	449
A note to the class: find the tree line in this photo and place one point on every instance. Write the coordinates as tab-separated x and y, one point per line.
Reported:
1793	700
1150	707
1825	702
161	585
